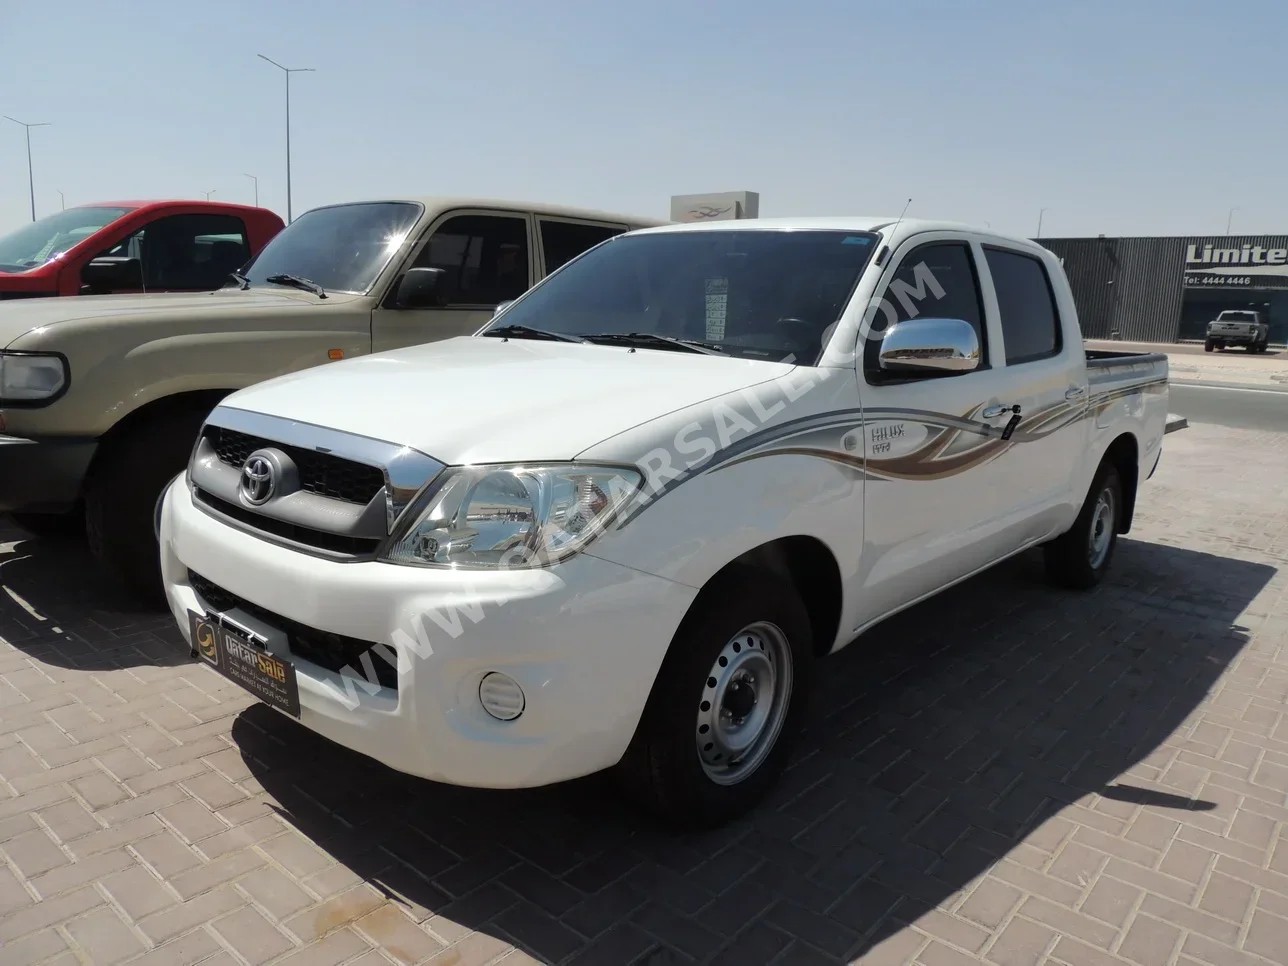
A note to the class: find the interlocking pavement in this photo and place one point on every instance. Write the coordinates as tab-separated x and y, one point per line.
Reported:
1008	774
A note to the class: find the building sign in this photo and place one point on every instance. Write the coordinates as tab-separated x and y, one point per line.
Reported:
1235	266
722	206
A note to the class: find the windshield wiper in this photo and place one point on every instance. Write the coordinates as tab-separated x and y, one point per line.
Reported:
296	281
528	332
652	338
242	281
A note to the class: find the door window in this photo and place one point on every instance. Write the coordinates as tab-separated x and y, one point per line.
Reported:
1030	320
562	241
935	281
484	258
187	252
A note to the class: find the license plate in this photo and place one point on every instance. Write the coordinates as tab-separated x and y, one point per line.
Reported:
233	653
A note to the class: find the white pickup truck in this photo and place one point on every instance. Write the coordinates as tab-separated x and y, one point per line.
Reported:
1243	327
618	526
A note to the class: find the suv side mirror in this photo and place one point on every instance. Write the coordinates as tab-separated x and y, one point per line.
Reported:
420	288
110	273
930	347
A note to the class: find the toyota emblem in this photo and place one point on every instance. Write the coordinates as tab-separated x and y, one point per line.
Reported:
257	480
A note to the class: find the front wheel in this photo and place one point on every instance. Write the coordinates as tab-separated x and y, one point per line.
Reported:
1080	557
727	704
121	499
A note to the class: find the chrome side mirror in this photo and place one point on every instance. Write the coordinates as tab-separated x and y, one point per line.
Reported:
930	347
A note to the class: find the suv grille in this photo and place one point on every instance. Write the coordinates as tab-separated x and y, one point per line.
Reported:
331	651
320	473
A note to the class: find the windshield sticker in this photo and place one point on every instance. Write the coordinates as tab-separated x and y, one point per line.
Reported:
717	308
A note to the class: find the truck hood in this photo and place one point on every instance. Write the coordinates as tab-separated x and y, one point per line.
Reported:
21	316
481	399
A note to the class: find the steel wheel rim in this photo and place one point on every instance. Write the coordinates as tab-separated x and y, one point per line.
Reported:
744	703
1102	528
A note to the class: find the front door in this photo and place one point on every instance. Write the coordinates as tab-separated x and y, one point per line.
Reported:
185	253
486	258
935	488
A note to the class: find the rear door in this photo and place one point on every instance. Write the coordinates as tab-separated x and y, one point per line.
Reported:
487	257
1047	379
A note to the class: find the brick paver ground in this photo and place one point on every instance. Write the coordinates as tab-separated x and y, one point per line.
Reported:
1009	775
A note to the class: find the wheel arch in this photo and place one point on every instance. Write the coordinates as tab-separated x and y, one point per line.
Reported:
804	561
1124	455
201	400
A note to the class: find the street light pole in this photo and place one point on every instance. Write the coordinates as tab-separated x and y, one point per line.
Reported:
288	71
62	201
1041	212
31	181
209	193
256	180
1230	218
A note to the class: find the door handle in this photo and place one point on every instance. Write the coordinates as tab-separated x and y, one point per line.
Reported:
992	412
1073	392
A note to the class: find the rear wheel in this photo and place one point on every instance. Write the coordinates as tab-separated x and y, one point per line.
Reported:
1209	345
1080	557
727	704
121	498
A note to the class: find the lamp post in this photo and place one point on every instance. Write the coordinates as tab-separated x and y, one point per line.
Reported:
209	193
62	201
1041	212
256	180
288	71
1230	218
31	181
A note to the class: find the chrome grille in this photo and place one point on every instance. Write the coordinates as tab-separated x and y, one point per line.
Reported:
323	491
320	473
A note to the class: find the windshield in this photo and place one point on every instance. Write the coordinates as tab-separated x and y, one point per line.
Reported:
754	293
35	244
342	248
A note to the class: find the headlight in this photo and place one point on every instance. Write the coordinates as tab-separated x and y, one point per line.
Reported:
31	377
514	515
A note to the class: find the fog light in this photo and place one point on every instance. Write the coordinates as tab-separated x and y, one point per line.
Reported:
501	696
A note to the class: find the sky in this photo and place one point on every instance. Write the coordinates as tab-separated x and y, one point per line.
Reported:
1133	117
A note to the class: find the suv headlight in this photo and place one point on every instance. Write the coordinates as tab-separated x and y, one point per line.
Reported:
513	515
31	377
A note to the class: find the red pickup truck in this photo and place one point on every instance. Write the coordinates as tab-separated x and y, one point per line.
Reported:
133	246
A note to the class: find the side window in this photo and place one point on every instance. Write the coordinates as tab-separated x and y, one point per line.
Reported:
1030	322
562	241
485	258
937	280
187	252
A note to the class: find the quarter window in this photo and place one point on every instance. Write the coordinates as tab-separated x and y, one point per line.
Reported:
562	241
935	281
1030	321
484	258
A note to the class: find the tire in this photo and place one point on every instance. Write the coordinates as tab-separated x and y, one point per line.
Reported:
1208	346
664	767
121	496
69	524
1073	559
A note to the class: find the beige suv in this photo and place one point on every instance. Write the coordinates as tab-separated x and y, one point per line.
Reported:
101	398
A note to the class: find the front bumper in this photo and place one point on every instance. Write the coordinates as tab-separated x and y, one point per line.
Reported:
42	475
584	640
